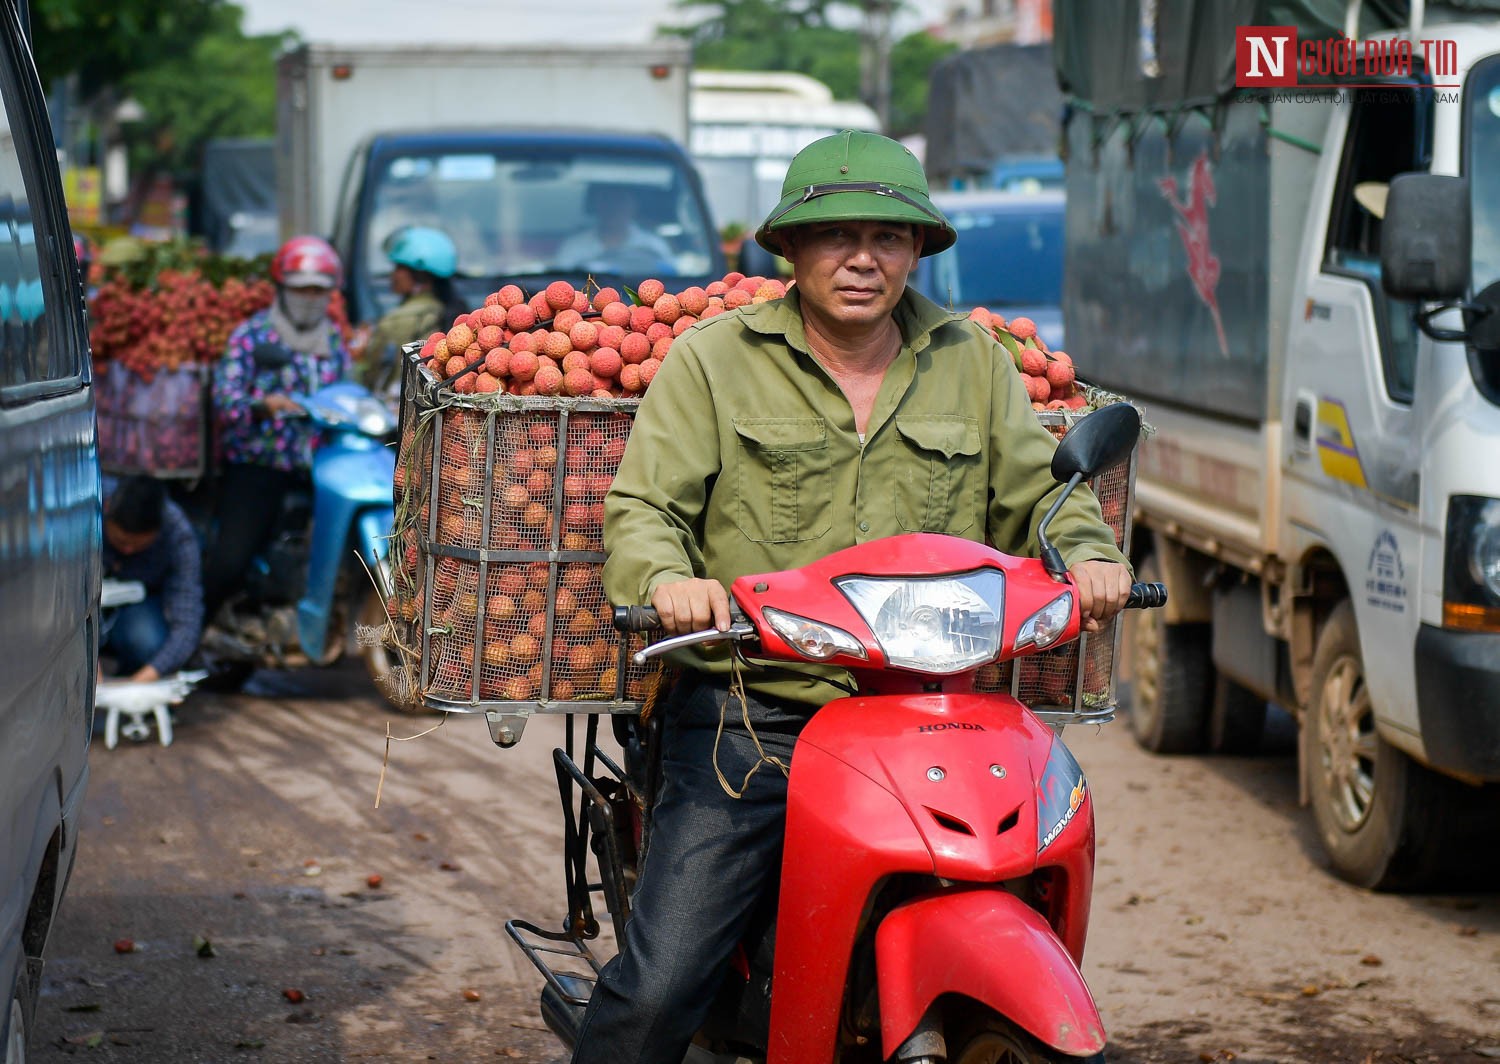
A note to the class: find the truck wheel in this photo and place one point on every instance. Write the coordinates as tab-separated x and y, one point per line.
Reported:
1171	678
1236	720
1377	811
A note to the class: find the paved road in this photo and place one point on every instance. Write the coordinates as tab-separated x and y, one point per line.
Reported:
1216	931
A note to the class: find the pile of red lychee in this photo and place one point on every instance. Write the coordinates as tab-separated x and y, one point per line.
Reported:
1048	375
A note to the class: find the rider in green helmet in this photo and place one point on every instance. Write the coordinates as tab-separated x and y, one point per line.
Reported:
848	410
423	261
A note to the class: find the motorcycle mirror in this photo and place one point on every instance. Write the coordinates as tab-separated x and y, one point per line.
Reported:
1096	443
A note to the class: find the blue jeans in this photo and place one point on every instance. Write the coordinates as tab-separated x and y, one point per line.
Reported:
135	633
712	859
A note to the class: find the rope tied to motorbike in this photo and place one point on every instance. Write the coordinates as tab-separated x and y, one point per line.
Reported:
737	691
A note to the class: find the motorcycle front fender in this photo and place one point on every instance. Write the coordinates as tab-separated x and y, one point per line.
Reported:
351	504
989	946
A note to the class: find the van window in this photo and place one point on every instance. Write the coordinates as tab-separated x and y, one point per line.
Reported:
1385	127
29	354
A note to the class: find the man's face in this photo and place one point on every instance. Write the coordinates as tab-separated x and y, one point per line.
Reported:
128	542
853	272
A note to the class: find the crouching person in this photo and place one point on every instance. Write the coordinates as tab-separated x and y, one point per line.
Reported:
148	539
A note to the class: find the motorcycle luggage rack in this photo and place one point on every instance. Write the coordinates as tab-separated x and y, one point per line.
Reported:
591	824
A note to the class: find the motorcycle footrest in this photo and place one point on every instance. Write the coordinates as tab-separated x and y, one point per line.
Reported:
570	986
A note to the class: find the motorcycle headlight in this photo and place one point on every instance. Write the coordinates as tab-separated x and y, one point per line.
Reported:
1043	627
810	638
937	625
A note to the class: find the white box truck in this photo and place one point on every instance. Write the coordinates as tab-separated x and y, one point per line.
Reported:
509	150
1322	493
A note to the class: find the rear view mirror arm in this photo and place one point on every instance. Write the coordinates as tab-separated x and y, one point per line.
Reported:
1052	558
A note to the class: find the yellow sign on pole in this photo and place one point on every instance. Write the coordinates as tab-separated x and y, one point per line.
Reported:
83	190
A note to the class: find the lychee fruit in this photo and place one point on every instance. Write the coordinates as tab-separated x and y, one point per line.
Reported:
635	348
772	289
557	344
616	313
521	342
716	288
491	336
521	316
648	371
1036	387
460	337
1022	329
1059	374
497	362
667	309
683	324
641	319
606	362
693	300
541	307
578	382
1033	362
523	366
511	296
660	348
566	319
574	360
736	297
486	384
630	377
650	290
548	380
658	330
585	336
604	297
611	336
560	295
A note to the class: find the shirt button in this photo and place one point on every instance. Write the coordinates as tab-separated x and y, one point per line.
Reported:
864	526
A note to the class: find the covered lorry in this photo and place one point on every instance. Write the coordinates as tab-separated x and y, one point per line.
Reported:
510	150
1322	493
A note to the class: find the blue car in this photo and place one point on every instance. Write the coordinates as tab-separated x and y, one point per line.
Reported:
1009	257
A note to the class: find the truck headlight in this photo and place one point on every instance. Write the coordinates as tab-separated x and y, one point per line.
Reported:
1471	563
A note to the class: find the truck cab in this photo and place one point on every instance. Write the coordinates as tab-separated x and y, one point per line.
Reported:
1322	491
522	206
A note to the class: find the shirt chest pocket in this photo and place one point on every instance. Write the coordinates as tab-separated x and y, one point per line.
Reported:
783	494
937	486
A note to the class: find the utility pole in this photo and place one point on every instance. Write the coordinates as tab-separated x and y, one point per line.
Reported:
875	58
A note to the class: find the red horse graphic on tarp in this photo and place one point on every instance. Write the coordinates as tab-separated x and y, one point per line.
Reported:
1192	227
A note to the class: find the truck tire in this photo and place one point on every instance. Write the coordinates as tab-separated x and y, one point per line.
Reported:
1171	671
16	1039
1236	720
1379	814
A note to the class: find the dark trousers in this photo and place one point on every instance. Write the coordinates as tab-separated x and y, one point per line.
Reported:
248	502
712	858
135	633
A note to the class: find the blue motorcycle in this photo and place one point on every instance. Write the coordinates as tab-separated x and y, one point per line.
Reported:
327	565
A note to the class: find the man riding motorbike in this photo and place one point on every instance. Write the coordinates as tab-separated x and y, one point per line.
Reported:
850	410
292	347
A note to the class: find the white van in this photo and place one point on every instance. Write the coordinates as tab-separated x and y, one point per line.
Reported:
50	539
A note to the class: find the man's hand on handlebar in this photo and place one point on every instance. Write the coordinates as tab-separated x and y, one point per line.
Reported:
693	605
1103	587
277	405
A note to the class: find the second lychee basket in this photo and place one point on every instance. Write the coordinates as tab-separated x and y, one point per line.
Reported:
496	602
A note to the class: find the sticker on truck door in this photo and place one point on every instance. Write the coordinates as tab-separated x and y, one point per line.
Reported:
1337	452
1385	576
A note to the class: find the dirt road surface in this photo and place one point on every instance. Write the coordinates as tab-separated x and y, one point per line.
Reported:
237	861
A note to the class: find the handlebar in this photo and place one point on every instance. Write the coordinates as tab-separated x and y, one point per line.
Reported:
1146	596
636	618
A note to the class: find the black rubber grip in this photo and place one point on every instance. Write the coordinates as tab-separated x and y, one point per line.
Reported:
1146	596
636	618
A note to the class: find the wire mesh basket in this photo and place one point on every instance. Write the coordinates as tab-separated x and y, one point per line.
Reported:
1076	679
496	600
156	426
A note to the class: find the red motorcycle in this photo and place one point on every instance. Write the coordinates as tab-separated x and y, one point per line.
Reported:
941	914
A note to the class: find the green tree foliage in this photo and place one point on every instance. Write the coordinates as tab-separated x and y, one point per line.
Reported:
187	62
811	37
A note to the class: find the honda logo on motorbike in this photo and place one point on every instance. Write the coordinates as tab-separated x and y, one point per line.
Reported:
927	729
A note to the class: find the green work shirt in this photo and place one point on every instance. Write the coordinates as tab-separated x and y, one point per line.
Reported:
414	319
744	459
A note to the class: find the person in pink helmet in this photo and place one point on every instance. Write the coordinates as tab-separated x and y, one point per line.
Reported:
292	347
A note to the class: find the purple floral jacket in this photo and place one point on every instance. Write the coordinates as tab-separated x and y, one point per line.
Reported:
256	365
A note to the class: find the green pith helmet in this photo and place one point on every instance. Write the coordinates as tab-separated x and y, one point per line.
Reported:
855	176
